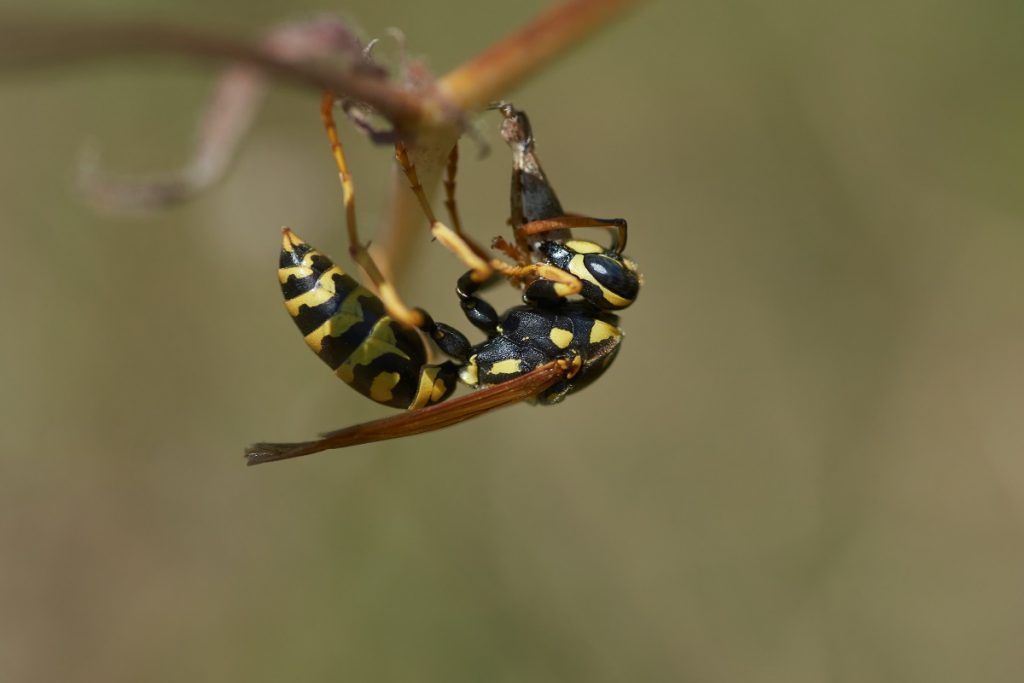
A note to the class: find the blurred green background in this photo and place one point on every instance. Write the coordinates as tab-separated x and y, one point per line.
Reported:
805	464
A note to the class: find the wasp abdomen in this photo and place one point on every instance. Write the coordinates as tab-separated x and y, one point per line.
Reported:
346	325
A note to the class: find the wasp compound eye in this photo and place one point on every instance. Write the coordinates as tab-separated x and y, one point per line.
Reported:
616	284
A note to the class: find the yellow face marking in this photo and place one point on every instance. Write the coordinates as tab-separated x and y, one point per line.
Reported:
561	338
614	299
506	367
602	330
383	383
584	247
469	372
578	268
350	313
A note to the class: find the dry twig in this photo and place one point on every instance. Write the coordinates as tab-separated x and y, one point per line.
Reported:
431	118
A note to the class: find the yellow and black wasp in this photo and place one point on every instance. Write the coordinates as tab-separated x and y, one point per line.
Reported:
562	338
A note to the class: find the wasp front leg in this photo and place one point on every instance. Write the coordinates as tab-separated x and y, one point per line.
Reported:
396	308
570	221
451	170
545	281
454	241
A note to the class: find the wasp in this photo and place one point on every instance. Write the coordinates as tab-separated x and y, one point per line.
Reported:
561	339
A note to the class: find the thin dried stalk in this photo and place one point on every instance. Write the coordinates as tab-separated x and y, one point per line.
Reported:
501	67
37	43
431	119
474	85
231	109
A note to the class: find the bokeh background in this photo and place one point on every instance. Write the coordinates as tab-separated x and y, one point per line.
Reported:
805	464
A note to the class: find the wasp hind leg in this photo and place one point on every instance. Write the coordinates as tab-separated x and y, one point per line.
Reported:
571	221
396	308
455	241
451	170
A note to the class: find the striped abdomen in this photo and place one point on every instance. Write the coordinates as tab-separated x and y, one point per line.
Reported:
346	325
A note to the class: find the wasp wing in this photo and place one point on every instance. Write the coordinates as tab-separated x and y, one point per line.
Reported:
418	421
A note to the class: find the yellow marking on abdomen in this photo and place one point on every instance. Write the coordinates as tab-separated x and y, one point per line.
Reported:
431	389
383	383
299	272
322	292
601	331
349	313
425	389
379	342
345	373
440	389
506	367
559	337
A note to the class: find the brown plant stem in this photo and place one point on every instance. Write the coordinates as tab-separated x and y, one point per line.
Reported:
474	85
39	43
430	119
501	67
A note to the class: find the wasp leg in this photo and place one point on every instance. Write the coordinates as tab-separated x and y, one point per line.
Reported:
562	284
478	312
452	342
512	251
572	363
618	225
396	308
454	241
449	190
